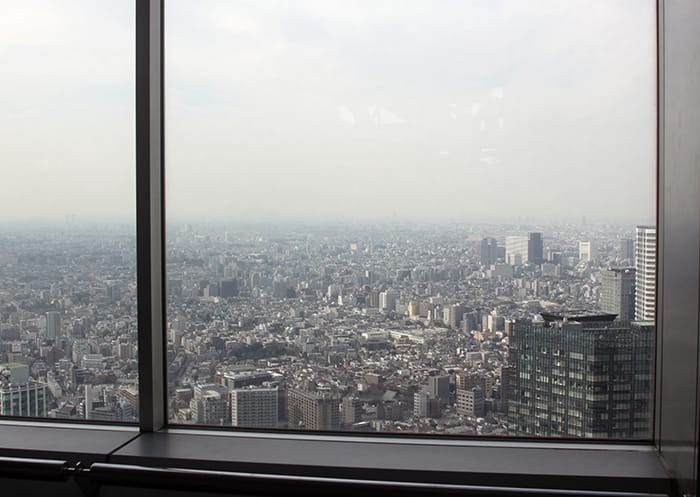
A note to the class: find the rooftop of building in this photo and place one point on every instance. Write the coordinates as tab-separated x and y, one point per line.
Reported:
621	269
579	315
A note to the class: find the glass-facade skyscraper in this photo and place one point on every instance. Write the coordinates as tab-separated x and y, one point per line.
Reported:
589	378
535	248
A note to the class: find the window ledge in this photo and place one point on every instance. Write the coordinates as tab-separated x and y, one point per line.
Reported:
204	459
534	465
72	443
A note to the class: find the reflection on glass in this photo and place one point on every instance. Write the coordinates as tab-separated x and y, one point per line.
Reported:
410	220
68	334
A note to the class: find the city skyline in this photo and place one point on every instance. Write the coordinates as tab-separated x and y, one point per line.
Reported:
402	329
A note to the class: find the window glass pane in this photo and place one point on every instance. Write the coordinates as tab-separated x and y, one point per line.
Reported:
412	217
67	209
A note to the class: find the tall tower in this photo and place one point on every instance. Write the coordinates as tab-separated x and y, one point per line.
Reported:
618	292
489	251
535	248
53	324
645	266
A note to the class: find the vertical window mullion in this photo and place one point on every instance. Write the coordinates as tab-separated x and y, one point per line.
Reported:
150	226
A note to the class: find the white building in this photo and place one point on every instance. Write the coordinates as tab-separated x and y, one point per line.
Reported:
19	394
645	279
388	299
516	249
587	251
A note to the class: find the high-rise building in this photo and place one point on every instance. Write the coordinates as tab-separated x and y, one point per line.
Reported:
516	249
627	249
19	394
456	311
388	299
590	379
524	249
619	292
352	410
425	405
535	248
312	410
413	309
489	251
254	407
210	405
228	288
504	391
645	266
587	251
439	388
125	349
53	324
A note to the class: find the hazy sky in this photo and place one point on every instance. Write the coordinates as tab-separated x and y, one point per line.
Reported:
338	110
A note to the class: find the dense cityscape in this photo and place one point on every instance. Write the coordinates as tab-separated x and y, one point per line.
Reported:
454	329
